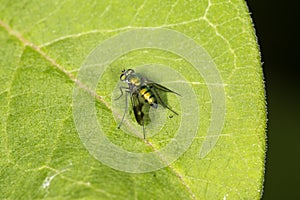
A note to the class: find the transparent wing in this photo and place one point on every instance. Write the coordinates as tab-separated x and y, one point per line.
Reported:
155	87
160	87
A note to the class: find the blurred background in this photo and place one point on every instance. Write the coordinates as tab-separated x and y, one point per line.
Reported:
276	23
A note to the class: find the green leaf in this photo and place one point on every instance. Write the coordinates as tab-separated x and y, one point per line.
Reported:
44	45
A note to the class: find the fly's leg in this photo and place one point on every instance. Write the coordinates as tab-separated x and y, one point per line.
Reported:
144	131
121	89
126	102
126	106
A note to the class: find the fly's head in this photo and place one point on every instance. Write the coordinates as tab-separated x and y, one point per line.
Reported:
125	74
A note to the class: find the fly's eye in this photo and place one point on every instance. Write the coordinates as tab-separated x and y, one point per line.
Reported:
122	77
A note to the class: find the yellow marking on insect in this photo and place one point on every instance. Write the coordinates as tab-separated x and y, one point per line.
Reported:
151	100
135	80
147	95
143	91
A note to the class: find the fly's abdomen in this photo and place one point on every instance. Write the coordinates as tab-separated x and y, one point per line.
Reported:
148	96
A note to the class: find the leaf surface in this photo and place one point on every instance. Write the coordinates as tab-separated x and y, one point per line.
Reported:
43	45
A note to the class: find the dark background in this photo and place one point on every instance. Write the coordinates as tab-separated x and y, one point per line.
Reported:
276	24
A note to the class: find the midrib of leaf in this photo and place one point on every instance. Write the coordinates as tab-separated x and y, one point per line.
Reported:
57	66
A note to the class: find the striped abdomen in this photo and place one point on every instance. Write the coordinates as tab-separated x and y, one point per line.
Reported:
148	96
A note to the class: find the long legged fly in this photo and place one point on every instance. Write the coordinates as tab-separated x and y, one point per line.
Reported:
142	91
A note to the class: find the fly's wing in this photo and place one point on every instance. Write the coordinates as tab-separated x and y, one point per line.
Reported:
137	106
161	88
155	86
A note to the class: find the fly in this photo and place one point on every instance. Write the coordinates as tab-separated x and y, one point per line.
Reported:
142	91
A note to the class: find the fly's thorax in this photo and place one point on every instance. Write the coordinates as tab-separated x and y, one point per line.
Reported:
134	79
148	95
